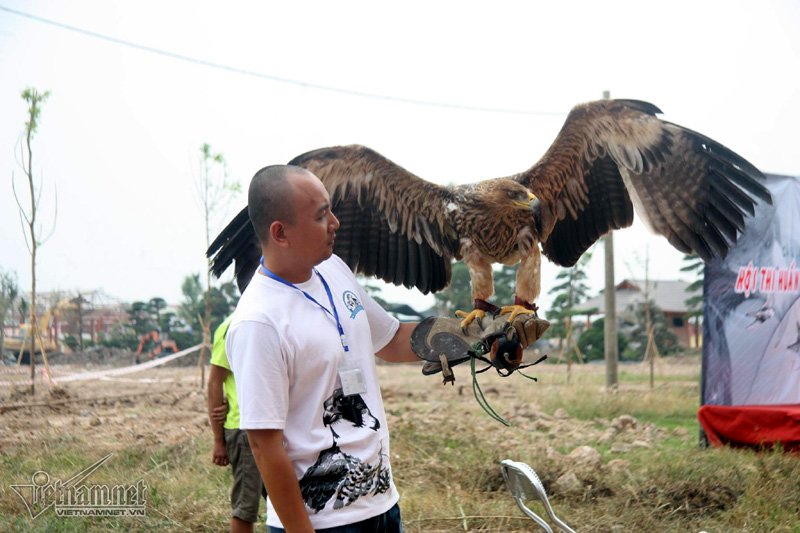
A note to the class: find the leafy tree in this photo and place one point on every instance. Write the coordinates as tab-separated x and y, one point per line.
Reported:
23	310
143	317
694	264
457	295
166	321
192	309
665	340
571	289
8	295
591	341
78	304
155	305
140	318
192	291
126	335
32	233
505	285
122	336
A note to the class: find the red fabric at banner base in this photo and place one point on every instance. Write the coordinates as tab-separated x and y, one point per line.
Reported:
754	426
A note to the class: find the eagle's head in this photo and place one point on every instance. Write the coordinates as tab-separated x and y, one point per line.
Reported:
506	195
507	201
331	408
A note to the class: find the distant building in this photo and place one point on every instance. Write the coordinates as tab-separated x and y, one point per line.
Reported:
668	295
63	314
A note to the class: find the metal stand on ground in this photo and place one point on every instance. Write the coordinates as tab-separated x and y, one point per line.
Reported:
525	485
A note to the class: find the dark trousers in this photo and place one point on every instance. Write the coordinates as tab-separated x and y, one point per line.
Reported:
388	522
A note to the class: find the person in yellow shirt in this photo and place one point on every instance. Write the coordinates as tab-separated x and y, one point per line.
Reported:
230	442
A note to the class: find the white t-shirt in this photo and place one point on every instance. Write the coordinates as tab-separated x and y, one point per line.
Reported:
285	352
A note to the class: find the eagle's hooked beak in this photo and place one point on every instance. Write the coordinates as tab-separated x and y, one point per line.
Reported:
528	204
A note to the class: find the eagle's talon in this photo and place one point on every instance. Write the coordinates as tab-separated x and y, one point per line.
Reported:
469	317
515	311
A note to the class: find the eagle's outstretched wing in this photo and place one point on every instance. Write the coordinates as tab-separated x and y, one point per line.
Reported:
237	242
394	225
612	155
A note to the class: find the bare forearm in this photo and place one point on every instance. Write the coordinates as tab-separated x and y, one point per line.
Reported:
216	397
280	479
399	348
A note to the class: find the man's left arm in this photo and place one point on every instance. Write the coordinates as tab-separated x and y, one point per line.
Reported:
398	350
216	398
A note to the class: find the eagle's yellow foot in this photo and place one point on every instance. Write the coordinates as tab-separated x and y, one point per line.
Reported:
469	317
520	307
515	311
479	309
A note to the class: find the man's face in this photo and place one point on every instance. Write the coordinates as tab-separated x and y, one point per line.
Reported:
313	230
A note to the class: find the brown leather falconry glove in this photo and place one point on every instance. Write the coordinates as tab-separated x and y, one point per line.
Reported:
529	328
437	338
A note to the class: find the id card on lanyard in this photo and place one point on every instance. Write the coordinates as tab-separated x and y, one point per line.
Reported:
350	373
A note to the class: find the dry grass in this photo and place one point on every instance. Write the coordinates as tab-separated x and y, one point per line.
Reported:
446	452
445	456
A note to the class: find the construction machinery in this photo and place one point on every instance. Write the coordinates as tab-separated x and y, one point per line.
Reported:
153	342
20	344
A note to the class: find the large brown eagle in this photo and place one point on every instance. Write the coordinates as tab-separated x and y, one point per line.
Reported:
609	156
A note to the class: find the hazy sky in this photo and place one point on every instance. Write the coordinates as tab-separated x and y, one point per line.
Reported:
119	137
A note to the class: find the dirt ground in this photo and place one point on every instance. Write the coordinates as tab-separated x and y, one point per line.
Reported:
110	412
604	468
166	405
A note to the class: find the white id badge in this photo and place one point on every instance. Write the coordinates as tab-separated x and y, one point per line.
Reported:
353	381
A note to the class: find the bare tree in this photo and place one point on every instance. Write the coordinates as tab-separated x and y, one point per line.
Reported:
571	291
214	189
28	217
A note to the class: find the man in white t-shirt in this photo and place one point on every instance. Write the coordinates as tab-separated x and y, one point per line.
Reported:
301	345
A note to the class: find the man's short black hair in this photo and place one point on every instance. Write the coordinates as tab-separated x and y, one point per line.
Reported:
269	198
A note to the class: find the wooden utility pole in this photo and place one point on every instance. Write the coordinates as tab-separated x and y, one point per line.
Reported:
610	321
611	348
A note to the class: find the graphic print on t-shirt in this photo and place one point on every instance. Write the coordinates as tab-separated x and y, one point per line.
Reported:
350	408
352	303
339	474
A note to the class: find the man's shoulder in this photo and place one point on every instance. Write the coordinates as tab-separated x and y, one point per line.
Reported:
256	310
255	302
335	265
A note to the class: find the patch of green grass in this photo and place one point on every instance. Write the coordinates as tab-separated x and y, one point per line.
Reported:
184	491
671	486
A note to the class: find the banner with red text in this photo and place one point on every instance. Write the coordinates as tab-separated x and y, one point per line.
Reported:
751	329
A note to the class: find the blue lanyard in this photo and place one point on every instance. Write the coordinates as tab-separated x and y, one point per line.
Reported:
335	314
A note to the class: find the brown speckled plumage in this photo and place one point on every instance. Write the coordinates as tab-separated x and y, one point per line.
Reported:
610	156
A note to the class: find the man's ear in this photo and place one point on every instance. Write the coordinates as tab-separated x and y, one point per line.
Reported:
277	233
